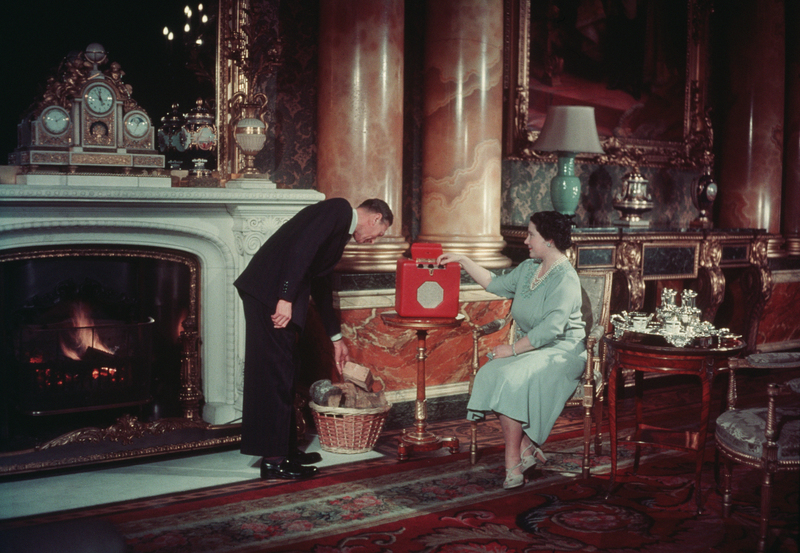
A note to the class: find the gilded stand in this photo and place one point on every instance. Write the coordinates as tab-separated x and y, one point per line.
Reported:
418	438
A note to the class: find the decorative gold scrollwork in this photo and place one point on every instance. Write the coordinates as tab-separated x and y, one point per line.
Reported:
629	262
710	278
127	429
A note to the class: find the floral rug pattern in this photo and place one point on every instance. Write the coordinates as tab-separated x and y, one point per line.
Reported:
284	518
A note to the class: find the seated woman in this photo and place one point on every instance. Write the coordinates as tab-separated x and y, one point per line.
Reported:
528	382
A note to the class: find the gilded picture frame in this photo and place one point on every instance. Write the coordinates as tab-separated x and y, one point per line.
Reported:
534	32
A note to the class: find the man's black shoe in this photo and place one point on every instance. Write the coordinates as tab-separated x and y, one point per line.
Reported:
287	470
303	458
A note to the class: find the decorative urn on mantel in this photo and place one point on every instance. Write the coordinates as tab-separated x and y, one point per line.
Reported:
250	134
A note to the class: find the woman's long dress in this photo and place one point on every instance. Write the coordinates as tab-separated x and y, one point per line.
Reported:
533	387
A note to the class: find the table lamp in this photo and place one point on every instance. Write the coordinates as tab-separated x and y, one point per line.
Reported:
568	130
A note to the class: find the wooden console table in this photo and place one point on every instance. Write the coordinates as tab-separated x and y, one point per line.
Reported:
647	358
419	438
699	257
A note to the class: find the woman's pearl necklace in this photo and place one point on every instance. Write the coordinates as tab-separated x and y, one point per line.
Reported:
538	279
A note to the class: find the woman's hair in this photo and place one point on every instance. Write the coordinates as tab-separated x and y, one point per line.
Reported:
554	226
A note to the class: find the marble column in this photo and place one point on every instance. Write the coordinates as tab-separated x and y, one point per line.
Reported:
751	144
791	137
462	129
360	116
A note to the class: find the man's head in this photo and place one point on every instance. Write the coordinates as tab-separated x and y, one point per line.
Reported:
374	219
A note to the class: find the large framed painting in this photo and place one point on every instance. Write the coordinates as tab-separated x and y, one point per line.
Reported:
642	64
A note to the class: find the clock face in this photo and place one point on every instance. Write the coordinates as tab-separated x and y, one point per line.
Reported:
137	124
99	99
55	120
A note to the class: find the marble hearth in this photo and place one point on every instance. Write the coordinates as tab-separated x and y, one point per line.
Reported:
221	227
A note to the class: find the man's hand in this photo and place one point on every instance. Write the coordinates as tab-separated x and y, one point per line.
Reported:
283	314
340	354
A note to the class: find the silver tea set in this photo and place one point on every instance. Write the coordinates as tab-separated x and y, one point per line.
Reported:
680	325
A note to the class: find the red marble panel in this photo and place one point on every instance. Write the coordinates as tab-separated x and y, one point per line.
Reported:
391	353
779	322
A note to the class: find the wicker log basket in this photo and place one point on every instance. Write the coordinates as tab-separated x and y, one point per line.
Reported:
347	430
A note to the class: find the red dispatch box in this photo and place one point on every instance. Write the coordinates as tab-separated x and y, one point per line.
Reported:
425	289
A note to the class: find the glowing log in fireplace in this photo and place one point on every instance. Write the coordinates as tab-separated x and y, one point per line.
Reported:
83	336
83	364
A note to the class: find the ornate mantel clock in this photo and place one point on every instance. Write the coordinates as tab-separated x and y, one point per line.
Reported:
87	118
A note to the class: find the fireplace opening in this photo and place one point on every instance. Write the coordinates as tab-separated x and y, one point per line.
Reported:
91	334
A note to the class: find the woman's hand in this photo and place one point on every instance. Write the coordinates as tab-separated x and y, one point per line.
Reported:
501	350
446	258
522	345
479	274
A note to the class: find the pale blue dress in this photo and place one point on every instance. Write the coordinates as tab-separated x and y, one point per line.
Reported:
533	387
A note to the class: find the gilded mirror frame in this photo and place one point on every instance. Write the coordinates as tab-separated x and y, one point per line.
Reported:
228	82
695	151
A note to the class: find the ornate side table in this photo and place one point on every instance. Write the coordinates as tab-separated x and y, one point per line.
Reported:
641	357
418	438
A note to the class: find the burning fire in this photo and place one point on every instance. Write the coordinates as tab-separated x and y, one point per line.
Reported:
83	336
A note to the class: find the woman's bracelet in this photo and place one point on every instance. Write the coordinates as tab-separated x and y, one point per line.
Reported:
514	349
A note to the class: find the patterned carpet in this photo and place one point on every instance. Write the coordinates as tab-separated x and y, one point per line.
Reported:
443	504
438	503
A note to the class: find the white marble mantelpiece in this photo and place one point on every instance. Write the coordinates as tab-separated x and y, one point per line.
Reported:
222	227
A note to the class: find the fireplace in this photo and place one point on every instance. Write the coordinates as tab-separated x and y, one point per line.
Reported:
205	235
94	328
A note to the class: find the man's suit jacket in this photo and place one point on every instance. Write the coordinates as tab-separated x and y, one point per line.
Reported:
297	262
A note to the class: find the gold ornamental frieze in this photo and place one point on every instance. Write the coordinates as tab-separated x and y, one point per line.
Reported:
48	140
148	161
48	158
141	144
100	159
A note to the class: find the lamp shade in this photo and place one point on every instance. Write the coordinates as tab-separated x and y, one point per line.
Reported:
569	129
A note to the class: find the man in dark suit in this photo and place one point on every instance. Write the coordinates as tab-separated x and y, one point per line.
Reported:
295	264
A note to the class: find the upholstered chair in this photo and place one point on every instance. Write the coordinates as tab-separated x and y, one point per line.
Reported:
766	437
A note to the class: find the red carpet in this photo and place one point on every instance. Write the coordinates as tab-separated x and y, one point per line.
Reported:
444	505
439	503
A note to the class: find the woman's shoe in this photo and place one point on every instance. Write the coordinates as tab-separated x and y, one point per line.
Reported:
529	461
513	480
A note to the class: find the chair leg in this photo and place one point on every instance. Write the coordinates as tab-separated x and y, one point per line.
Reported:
766	500
727	469
598	428
587	440
473	442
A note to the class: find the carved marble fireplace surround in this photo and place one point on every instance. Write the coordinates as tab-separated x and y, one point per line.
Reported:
222	227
